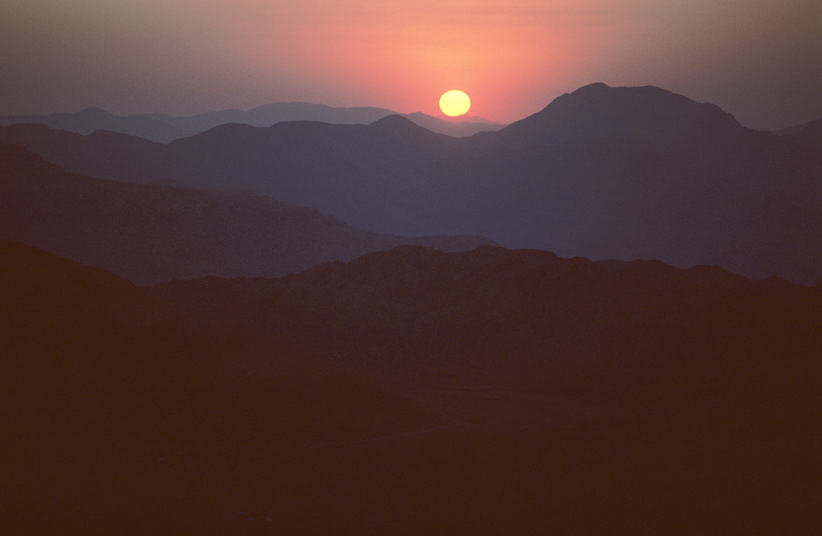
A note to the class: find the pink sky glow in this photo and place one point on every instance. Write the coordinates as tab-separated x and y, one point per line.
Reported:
759	59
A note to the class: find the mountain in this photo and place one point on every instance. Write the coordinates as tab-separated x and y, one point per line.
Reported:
457	127
92	119
492	311
629	397
102	154
269	114
163	128
123	416
506	391
354	170
151	233
809	134
700	134
599	111
624	173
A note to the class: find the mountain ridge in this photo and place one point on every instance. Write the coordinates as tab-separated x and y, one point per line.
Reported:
163	128
120	409
602	172
647	112
150	233
523	388
809	134
460	310
645	371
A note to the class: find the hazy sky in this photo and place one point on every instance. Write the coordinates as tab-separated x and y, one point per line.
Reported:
760	60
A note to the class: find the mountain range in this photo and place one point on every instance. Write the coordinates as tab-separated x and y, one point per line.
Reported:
491	314
603	172
163	128
492	391
233	332
151	233
807	134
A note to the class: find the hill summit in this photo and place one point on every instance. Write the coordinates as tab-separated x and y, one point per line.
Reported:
598	110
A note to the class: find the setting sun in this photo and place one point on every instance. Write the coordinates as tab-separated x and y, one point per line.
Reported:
454	103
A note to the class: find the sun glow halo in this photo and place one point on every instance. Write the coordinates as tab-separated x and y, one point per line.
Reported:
454	103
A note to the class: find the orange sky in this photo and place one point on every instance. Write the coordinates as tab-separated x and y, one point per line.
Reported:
759	59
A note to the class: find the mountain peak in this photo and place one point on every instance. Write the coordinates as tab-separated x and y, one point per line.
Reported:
397	123
598	110
596	86
93	112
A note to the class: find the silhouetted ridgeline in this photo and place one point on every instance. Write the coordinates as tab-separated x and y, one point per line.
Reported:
152	233
601	172
414	391
164	128
524	393
537	318
809	134
628	397
123	416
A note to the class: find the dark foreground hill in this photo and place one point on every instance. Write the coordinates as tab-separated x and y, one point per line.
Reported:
632	398
151	233
418	312
694	412
602	172
123	416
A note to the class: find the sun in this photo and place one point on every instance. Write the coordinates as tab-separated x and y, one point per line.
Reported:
454	103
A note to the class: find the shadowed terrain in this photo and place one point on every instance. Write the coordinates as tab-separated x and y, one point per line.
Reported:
808	134
321	379
152	233
126	415
123	416
633	397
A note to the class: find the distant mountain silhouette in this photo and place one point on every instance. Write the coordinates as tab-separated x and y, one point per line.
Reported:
354	170
164	128
459	127
599	111
150	127
665	393
102	154
602	172
150	233
809	134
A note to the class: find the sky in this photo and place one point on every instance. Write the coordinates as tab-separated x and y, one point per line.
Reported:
760	60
